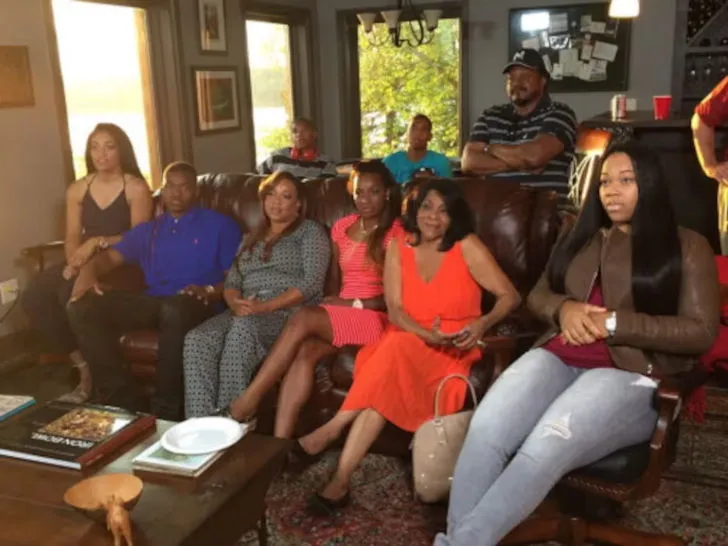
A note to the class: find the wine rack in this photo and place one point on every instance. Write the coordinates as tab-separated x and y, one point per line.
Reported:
701	50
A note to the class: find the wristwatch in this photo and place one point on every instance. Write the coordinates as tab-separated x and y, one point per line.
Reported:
103	244
611	323
357	304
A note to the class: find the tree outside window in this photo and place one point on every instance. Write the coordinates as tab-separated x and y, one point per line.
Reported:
397	83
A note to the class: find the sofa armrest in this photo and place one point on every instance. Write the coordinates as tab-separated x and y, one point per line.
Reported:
38	252
667	399
501	348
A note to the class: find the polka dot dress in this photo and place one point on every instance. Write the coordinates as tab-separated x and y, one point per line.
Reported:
222	355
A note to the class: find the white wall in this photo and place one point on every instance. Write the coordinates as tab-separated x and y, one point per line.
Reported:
32	181
649	74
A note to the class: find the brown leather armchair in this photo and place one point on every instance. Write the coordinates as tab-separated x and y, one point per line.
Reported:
519	226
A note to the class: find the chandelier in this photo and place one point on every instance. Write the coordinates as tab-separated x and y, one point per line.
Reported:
406	24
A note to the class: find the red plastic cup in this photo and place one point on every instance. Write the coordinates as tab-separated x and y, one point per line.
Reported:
662	105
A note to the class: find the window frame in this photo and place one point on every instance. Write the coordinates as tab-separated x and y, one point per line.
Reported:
303	42
350	99
164	108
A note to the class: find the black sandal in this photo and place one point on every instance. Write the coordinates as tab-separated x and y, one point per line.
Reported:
303	457
323	506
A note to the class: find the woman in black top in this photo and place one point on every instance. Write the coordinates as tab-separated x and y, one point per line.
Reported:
112	198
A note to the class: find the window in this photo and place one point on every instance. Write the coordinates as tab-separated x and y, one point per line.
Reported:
106	78
397	83
269	58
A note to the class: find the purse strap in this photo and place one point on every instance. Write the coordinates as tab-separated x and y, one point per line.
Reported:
442	384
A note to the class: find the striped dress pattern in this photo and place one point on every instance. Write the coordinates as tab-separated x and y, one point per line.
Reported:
360	279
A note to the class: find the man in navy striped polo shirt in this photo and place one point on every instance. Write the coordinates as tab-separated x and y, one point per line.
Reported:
529	140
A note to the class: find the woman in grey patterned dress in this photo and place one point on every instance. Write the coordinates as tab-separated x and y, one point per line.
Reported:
281	266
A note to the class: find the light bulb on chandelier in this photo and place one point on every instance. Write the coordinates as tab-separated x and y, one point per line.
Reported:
406	25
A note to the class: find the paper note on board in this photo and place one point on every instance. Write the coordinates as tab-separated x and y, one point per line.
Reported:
586	23
603	50
558	22
586	52
585	71
531	43
557	72
547	63
569	60
598	70
598	27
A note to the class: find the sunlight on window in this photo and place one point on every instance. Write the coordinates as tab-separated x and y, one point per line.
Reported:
101	66
269	58
397	83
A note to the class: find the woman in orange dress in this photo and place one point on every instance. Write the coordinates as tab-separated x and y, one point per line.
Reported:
433	282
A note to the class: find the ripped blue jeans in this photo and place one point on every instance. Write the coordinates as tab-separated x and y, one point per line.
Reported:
539	421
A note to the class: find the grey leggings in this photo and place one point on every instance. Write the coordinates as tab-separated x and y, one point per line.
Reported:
551	418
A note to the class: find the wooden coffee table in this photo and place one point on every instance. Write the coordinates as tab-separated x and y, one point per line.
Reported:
216	508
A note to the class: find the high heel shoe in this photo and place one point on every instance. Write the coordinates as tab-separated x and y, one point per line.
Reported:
326	507
251	421
303	457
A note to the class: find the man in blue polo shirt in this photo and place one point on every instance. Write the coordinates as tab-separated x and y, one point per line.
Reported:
405	164
184	254
529	140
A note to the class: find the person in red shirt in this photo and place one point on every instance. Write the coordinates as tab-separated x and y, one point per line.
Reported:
711	112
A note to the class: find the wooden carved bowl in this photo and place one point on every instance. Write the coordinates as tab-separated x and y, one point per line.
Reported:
91	495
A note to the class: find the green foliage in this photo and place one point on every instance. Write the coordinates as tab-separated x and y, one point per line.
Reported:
397	83
279	137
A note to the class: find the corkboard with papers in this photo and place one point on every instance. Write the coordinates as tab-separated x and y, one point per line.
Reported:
583	48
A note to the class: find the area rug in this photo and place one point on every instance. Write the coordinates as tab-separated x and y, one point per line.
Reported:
691	502
385	513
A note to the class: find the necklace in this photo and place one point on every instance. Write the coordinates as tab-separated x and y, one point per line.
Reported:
366	232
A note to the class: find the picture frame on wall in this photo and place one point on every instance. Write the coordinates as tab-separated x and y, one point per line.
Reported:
217	103
212	26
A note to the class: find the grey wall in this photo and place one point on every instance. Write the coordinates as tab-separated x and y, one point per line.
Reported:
650	63
32	183
219	152
230	151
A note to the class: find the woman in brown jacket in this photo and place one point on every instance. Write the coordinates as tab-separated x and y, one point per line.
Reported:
630	298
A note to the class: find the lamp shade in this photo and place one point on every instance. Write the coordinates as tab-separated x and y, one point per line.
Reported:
367	20
624	8
432	16
391	17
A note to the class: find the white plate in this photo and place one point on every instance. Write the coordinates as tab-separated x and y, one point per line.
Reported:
202	435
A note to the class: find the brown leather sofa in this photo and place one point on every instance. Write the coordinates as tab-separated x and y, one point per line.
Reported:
519	226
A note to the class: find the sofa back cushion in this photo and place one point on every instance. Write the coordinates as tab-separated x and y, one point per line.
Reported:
519	225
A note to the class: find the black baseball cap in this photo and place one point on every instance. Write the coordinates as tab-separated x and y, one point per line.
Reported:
528	58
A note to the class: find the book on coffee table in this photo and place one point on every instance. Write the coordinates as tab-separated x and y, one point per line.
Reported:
71	435
10	404
157	459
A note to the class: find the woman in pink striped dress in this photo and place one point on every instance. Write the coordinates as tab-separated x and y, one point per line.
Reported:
357	316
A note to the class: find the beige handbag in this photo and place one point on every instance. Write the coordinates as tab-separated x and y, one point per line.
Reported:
436	446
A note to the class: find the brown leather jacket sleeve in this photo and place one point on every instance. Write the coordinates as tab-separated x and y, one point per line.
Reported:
693	330
544	303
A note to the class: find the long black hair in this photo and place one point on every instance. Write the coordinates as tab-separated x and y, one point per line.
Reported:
390	212
461	217
127	157
656	251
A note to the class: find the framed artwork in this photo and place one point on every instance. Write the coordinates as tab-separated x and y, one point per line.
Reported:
16	82
213	26
582	47
217	102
